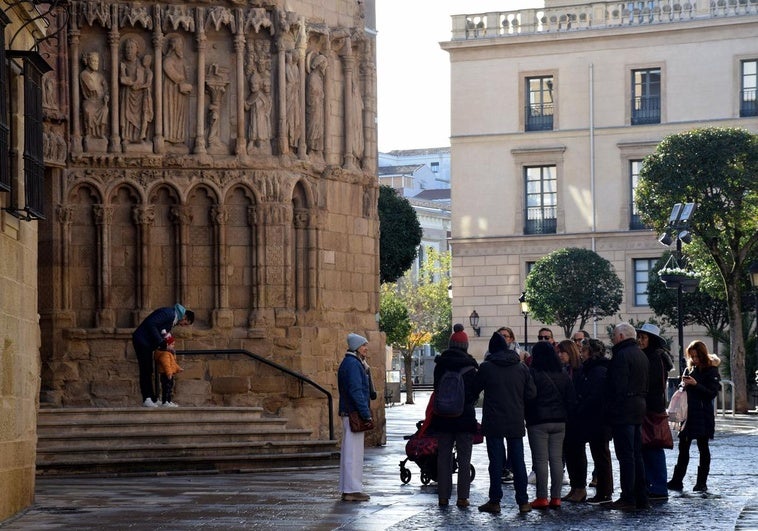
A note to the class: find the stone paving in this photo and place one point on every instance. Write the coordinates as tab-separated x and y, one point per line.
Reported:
308	499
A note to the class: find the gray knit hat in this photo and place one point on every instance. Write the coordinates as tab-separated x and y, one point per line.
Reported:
354	341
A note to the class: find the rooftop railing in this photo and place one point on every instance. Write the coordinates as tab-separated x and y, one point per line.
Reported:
595	15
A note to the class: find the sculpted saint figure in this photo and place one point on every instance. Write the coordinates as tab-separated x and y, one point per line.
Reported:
258	104
95	97
293	100
315	104
135	95
176	92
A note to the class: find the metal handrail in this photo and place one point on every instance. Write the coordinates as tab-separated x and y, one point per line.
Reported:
276	366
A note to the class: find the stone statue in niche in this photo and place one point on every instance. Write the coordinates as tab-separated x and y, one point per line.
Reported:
216	82
136	94
49	96
294	109
315	104
176	91
258	104
95	98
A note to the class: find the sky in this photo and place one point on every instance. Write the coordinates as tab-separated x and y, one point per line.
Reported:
413	72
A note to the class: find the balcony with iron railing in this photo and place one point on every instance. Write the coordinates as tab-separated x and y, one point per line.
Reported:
594	15
541	220
646	110
748	103
538	117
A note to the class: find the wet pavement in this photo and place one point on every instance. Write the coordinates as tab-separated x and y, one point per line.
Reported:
309	499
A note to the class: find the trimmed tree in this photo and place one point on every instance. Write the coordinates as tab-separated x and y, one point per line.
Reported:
572	284
399	234
717	168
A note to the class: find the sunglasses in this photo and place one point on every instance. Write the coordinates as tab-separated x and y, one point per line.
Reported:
544	337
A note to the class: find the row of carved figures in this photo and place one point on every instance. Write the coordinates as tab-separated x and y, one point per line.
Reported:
304	124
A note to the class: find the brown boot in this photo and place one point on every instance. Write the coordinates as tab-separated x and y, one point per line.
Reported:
577	496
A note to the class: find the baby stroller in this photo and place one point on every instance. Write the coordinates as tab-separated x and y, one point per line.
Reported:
422	449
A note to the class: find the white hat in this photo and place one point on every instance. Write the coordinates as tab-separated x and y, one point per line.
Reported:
651	330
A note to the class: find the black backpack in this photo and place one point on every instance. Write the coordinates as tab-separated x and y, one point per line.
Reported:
450	396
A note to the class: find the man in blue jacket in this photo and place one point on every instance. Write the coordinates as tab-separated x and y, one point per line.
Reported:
148	336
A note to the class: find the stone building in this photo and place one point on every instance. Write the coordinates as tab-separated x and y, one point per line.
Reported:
221	155
21	174
553	110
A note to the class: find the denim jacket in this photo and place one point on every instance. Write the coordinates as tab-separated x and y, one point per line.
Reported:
353	384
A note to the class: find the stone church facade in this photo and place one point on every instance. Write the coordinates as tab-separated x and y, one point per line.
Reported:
222	155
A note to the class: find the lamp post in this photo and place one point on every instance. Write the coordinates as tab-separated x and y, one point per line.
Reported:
678	228
524	310
473	320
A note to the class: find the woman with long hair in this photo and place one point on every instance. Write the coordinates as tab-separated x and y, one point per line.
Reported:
701	381
568	353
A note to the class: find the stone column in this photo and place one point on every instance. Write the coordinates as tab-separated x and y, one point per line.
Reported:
239	50
105	317
114	144
159	145
65	215
222	315
182	217
328	122
281	96
368	78
256	246
302	43
144	217
349	121
76	113
201	49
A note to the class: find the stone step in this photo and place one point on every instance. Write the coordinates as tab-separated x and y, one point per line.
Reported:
184	439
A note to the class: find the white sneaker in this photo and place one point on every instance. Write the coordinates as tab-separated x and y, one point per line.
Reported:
149	403
532	480
170	404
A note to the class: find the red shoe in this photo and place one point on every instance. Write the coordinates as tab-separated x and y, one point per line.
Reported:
555	503
540	503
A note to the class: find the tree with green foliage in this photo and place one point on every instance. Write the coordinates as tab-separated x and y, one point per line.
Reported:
717	168
399	234
427	309
698	307
570	284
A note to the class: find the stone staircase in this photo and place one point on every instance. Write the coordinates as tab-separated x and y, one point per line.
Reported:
74	441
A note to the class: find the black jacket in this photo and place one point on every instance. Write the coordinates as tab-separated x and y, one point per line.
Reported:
627	383
507	385
587	420
701	421
657	376
555	398
455	359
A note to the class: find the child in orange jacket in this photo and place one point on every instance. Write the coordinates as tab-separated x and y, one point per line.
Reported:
165	359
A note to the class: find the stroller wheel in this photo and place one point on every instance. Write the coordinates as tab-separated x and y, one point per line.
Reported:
405	475
473	472
425	477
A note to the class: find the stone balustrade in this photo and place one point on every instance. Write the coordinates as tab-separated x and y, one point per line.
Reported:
595	15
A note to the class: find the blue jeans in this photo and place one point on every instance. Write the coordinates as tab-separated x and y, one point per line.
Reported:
655	471
627	439
496	455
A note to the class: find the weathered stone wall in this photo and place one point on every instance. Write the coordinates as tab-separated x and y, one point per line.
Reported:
222	156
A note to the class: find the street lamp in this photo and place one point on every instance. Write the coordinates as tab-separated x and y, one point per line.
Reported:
678	227
524	304
473	320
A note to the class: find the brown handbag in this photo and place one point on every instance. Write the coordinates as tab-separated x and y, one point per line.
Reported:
357	424
656	432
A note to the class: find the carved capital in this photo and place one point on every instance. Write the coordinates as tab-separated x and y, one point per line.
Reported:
103	214
220	214
64	214
181	214
144	215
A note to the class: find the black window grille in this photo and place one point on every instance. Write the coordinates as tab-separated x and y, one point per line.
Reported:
748	104
5	146
541	200
646	96
34	167
635	222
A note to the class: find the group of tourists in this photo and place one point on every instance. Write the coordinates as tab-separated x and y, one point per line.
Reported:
564	396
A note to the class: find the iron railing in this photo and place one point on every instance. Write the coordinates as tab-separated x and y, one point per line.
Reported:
274	365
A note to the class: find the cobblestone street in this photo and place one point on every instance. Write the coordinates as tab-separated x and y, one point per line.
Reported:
308	499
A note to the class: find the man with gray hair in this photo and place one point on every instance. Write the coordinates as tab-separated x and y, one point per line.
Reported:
627	387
